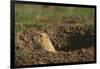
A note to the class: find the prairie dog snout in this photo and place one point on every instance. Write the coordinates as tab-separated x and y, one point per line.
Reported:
43	42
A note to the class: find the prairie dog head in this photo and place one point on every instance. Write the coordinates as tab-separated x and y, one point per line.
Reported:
43	42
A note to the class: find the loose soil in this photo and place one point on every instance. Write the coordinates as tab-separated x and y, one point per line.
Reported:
73	43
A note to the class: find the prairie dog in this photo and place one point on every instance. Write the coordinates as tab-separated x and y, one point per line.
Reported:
43	42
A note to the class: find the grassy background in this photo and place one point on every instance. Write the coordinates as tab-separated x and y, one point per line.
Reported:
27	16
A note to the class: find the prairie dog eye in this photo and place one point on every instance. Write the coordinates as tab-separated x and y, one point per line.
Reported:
40	35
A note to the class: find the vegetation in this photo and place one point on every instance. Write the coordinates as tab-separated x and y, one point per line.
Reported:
33	16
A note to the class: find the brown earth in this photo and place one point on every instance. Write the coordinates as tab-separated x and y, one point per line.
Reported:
73	42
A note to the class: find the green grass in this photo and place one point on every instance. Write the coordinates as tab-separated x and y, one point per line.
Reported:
27	16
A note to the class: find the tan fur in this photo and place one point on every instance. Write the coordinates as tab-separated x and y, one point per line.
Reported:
43	42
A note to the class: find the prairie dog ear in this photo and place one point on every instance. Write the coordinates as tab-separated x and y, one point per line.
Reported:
45	35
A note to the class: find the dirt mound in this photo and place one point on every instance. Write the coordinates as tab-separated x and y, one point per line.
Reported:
27	57
67	37
74	43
